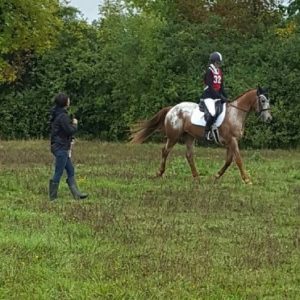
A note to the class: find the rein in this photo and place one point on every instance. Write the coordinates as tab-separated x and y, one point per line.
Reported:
247	111
239	108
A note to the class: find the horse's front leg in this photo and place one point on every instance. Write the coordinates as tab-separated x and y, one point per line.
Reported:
236	152
189	140
229	159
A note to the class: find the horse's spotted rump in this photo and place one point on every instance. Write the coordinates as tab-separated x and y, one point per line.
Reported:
179	112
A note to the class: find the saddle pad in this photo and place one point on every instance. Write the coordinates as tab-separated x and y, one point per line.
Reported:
197	117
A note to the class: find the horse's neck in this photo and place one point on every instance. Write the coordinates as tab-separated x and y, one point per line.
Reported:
240	109
246	101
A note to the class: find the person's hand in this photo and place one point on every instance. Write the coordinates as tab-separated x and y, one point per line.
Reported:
74	121
223	99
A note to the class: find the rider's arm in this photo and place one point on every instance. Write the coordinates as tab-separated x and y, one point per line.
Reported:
223	94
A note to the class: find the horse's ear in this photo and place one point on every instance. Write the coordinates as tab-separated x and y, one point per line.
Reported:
258	89
265	91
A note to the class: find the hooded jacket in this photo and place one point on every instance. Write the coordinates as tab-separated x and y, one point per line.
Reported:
62	129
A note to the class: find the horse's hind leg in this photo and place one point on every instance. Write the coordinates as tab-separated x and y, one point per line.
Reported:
164	155
229	158
189	141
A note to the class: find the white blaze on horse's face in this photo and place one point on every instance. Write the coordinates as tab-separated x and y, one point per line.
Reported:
264	108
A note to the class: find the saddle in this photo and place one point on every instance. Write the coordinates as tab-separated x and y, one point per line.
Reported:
203	108
200	113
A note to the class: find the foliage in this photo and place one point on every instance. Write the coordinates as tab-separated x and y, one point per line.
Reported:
26	26
142	55
293	8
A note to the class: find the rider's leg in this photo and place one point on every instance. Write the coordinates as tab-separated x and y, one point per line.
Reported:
209	121
210	113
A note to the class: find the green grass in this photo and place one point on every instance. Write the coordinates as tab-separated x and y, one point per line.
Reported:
138	237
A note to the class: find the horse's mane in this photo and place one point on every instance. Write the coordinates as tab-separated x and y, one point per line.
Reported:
242	94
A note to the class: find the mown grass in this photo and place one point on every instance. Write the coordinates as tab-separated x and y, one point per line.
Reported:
138	237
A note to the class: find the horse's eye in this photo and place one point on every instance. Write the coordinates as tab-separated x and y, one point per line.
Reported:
263	100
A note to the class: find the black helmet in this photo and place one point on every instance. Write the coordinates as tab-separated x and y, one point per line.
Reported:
215	57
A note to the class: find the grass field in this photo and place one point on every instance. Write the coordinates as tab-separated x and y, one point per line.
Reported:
138	237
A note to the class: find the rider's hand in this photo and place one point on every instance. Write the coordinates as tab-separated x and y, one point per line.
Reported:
74	121
223	99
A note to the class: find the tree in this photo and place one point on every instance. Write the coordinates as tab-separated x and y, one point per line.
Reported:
294	7
25	26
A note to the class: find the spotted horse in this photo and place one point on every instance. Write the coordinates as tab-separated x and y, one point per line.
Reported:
176	123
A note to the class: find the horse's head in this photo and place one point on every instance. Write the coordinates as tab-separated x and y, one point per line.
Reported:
263	104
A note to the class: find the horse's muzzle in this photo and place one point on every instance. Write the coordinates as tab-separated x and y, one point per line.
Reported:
266	117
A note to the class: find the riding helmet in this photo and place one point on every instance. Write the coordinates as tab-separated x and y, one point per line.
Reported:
215	57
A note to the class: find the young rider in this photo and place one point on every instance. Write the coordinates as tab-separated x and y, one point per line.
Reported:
214	89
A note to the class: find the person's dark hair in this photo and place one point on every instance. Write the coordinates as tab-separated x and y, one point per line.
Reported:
61	100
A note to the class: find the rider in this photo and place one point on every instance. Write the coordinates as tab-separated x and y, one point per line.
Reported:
214	90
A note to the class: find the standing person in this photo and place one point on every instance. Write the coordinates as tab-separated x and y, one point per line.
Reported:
214	90
62	131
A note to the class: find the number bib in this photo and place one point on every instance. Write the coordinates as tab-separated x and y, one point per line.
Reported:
217	75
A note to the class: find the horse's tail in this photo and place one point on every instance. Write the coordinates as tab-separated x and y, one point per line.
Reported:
141	131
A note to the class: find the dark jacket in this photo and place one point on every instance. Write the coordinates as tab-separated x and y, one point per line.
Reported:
210	91
62	129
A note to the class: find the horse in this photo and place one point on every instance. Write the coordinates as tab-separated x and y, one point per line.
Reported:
176	123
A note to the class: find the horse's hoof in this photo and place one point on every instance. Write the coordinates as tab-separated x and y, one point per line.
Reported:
248	181
196	178
217	176
158	175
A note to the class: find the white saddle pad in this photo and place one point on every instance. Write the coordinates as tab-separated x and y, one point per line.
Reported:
197	117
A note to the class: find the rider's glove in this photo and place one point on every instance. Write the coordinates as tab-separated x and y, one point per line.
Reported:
223	99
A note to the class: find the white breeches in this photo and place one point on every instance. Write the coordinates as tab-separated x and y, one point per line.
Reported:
211	105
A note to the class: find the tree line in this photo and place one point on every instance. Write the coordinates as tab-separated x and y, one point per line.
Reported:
142	55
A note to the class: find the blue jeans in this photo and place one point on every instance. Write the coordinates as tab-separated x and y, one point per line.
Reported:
62	161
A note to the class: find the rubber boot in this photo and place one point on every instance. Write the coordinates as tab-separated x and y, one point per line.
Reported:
53	188
74	189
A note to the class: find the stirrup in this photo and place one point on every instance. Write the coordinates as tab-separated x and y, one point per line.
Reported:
209	136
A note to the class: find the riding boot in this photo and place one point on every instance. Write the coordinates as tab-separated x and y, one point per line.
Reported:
53	188
209	122
74	189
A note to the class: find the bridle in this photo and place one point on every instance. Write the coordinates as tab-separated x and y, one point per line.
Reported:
262	97
259	99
